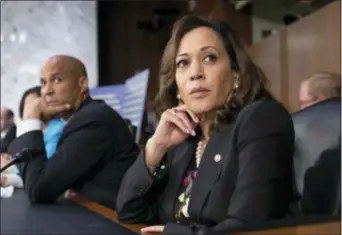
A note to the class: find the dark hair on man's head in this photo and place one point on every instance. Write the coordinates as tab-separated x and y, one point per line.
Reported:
33	90
10	114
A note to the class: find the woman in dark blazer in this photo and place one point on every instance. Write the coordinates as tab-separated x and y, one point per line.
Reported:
221	156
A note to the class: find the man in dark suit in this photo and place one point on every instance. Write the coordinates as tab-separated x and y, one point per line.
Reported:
8	128
317	158
94	150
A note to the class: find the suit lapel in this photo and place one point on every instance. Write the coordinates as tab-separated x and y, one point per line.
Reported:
180	164
209	170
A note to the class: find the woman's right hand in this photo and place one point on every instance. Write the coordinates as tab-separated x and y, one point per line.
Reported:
174	127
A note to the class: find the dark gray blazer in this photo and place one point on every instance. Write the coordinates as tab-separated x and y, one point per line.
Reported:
251	183
317	158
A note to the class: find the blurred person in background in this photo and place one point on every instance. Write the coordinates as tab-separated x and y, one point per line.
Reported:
317	156
95	148
11	176
8	128
52	129
221	156
319	87
28	97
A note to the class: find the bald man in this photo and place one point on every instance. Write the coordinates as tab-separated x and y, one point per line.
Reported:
94	150
8	128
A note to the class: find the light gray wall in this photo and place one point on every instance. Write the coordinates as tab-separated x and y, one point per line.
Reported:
32	31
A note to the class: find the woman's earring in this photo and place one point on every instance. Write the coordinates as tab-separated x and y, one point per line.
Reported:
178	97
236	81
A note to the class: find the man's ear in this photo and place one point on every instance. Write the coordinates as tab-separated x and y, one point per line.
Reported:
83	83
320	98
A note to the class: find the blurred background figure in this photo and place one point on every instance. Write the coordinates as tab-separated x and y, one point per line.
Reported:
8	128
10	177
319	87
28	96
317	158
52	129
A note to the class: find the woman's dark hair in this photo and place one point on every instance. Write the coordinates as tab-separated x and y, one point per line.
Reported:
33	90
252	81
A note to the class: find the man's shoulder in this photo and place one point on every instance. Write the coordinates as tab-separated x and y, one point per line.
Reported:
97	109
95	113
263	111
323	110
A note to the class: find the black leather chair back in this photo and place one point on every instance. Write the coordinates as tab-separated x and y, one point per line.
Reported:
317	158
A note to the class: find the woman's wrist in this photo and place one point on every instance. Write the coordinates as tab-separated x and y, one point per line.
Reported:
154	153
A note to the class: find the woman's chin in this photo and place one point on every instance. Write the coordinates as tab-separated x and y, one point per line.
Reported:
200	109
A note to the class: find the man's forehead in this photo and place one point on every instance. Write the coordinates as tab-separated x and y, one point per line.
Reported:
66	65
303	91
54	65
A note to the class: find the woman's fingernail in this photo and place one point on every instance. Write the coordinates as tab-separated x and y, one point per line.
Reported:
193	133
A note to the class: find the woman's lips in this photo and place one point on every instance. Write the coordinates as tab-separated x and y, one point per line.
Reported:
199	92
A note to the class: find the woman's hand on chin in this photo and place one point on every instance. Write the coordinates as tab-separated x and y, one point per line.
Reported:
174	127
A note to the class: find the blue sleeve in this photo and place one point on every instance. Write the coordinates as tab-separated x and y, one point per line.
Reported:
52	135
